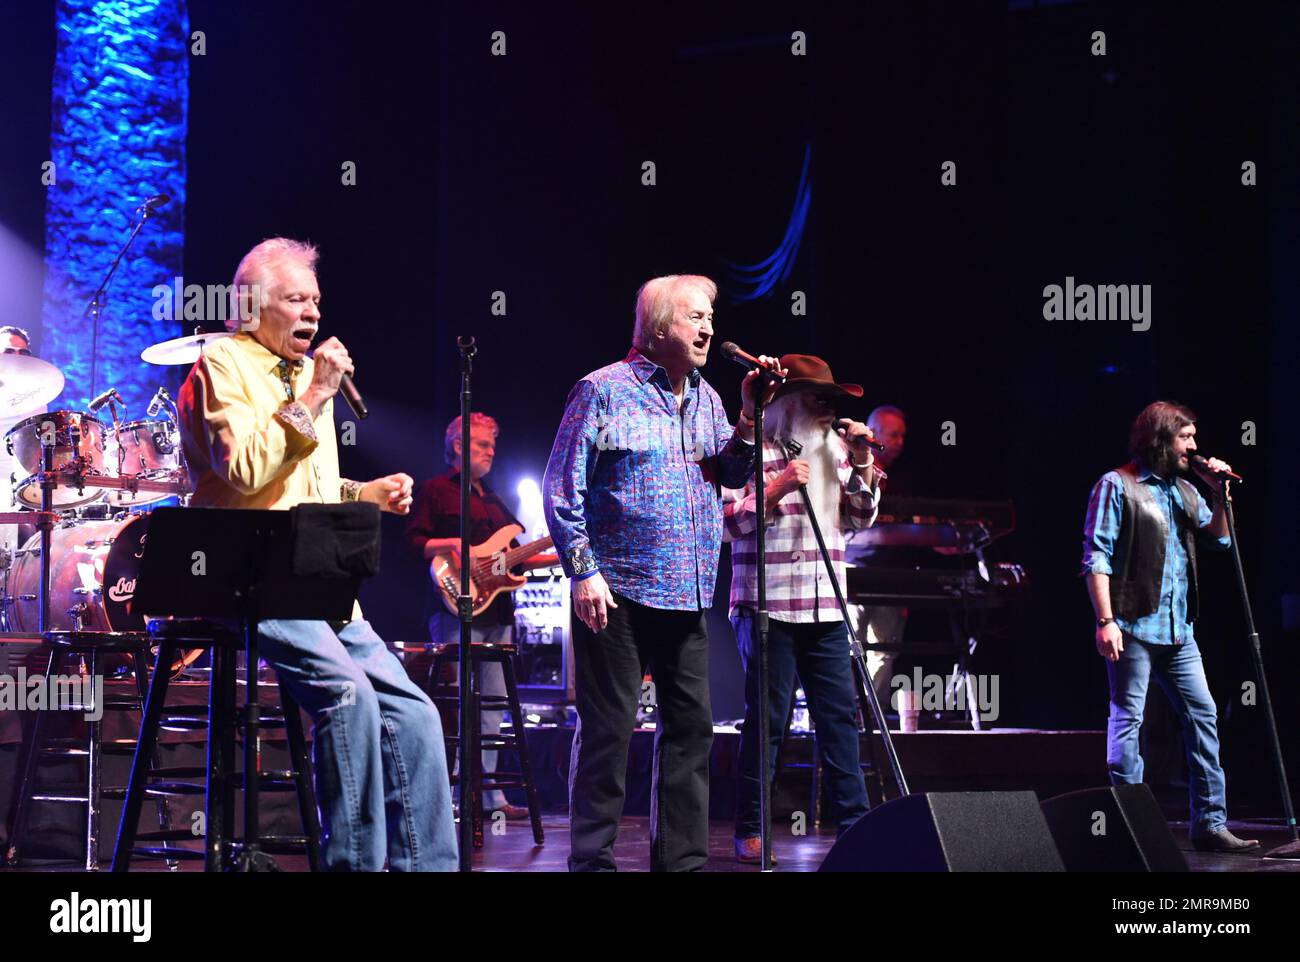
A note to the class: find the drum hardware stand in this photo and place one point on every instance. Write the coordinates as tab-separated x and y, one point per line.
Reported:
46	522
1289	850
174	415
100	297
856	652
112	410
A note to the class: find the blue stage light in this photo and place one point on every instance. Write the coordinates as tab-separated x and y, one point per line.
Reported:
117	136
752	281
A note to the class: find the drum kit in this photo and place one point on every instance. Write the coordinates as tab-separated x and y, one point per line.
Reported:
87	485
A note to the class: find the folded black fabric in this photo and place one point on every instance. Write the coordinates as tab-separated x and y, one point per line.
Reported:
335	540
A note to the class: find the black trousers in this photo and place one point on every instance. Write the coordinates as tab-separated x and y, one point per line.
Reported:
608	679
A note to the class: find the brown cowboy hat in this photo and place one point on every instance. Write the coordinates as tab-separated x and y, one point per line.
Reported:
810	373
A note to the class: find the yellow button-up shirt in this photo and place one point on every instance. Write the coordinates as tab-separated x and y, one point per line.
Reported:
248	445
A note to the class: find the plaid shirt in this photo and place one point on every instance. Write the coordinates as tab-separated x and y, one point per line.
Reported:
797	586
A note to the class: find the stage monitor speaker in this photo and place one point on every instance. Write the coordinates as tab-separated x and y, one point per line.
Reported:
949	832
1115	829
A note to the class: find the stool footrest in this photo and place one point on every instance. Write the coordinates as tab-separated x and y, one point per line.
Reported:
182	725
154	789
192	771
498	742
282	844
169	853
504	781
168	835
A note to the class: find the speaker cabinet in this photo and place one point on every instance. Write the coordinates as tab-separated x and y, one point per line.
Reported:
1115	829
949	832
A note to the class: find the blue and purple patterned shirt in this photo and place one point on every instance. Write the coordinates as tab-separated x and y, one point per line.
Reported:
632	485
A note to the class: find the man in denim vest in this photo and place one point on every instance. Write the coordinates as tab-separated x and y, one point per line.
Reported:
1139	560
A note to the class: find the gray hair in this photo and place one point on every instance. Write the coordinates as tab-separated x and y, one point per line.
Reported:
452	435
657	299
255	271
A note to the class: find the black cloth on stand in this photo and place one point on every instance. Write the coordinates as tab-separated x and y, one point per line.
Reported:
335	540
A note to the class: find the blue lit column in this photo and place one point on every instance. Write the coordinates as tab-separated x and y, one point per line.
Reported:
117	136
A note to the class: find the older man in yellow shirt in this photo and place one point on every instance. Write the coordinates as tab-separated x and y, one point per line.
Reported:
257	423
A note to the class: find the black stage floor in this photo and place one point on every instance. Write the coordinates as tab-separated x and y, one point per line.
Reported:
514	851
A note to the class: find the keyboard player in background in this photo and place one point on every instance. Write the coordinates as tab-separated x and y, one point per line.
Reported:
880	624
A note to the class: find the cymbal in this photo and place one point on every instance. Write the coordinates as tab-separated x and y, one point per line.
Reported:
27	382
180	350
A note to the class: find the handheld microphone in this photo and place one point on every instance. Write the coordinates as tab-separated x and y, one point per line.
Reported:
842	424
733	352
350	394
1201	463
353	397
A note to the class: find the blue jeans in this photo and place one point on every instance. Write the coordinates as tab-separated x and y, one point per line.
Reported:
1179	671
819	651
381	769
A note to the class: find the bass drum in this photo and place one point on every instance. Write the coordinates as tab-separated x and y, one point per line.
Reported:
92	577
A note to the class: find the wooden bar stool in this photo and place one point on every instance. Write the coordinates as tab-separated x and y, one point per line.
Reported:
89	650
222	849
448	696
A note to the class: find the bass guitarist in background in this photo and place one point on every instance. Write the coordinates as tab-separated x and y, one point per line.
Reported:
434	529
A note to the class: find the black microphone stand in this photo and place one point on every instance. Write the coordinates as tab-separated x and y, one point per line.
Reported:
100	297
760	630
1292	848
465	611
856	652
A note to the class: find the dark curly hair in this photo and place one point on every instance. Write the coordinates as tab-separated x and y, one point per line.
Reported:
1151	439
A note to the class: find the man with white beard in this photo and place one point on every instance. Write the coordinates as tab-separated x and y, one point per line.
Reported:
806	631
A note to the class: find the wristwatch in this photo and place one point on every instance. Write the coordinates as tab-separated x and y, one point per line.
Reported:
1103	622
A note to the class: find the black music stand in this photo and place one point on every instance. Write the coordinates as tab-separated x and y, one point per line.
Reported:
239	565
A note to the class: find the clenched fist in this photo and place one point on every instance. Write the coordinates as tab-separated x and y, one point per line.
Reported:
392	493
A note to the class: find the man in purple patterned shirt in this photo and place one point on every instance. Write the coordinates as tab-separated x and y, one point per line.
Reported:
633	504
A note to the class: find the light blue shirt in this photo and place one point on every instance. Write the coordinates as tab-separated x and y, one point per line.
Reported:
1168	624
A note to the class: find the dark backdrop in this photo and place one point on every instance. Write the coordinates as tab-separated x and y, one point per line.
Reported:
522	174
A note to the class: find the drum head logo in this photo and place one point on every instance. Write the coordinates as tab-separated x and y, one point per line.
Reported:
123	591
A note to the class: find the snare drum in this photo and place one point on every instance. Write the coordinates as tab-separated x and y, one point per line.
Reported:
24	442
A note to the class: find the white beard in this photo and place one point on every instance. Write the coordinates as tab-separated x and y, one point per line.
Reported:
824	450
